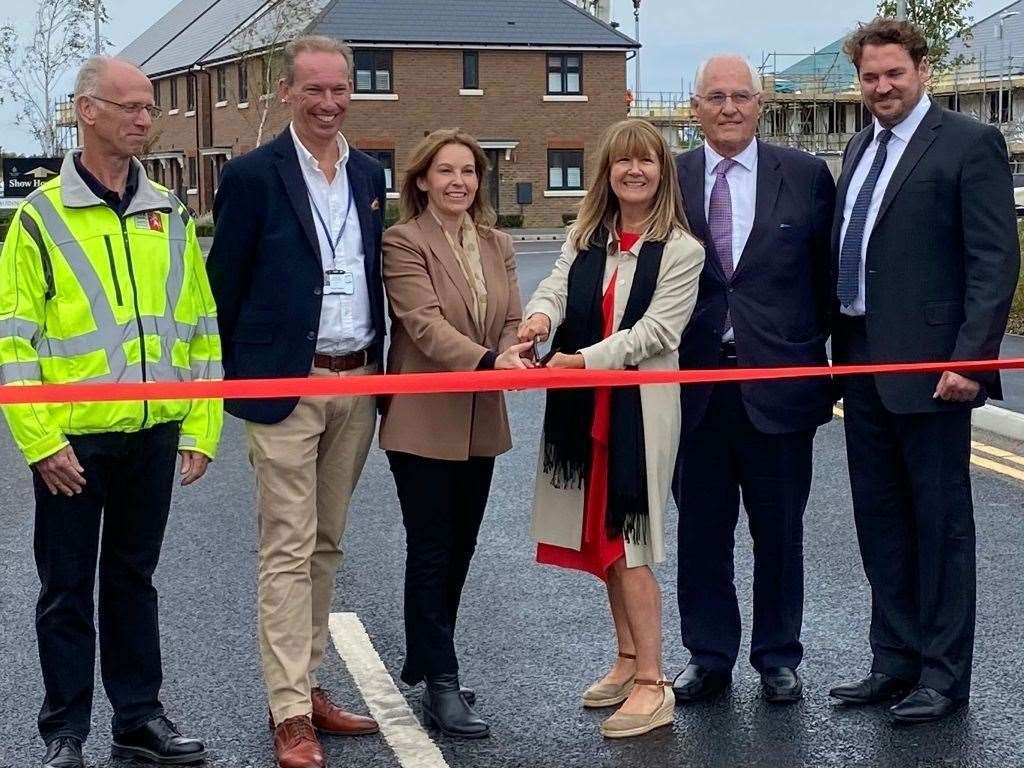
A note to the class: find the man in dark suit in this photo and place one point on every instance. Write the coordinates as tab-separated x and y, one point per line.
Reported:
926	259
764	214
295	269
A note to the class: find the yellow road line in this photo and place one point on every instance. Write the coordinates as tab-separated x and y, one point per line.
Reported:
980	461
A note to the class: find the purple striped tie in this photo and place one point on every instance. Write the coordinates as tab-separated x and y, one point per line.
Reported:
720	216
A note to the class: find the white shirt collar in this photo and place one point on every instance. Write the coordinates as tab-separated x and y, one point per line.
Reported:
306	157
906	129
747	158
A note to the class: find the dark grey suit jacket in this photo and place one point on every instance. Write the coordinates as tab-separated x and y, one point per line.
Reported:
942	259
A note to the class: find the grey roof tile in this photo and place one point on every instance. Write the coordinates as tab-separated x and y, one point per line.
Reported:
985	52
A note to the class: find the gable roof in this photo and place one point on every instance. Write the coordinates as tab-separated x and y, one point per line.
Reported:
197	31
828	69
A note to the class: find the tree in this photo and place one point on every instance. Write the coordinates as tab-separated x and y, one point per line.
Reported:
261	42
940	20
33	71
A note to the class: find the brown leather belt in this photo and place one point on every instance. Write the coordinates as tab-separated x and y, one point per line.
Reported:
351	361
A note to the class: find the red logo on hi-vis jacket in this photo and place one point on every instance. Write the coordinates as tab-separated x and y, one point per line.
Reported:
155	222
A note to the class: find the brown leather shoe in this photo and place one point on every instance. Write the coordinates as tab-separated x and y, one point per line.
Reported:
296	744
332	719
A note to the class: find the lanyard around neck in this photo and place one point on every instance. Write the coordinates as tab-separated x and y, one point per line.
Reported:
332	241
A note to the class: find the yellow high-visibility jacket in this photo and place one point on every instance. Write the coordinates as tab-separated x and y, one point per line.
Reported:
90	296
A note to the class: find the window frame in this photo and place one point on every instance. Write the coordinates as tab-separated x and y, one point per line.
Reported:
559	62
174	92
222	84
193	172
190	93
378	55
243	81
385	157
156	92
564	164
471	83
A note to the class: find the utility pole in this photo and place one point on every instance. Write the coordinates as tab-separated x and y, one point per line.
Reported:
901	10
636	19
97	45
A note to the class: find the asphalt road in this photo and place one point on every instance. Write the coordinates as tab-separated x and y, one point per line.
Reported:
531	638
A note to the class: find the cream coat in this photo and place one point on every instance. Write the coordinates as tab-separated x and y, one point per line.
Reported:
651	344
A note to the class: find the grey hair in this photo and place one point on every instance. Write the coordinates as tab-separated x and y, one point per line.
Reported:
89	75
319	44
755	76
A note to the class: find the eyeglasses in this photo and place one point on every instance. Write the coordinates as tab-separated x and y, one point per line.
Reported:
132	109
718	99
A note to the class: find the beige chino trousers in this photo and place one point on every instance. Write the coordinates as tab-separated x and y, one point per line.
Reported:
307	467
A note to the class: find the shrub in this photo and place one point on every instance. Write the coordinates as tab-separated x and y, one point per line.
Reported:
510	221
1017	309
391	213
6	216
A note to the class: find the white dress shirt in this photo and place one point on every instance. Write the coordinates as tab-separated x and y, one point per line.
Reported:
742	179
346	322
901	135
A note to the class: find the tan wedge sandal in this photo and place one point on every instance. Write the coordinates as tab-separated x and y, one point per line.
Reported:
607	695
621	726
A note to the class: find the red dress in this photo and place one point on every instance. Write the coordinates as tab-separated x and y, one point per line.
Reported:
597	551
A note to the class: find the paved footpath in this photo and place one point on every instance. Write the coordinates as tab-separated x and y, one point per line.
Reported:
531	638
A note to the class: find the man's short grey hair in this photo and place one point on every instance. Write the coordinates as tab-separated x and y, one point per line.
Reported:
315	44
755	76
89	75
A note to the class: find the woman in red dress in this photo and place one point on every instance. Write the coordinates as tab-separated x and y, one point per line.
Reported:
619	297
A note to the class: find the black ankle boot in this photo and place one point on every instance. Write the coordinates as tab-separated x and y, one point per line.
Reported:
445	708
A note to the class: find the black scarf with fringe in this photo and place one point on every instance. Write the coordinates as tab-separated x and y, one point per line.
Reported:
569	413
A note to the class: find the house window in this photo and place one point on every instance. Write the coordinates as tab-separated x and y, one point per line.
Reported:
174	92
471	70
243	82
265	85
565	73
953	102
565	169
193	176
222	84
373	72
156	93
190	93
385	157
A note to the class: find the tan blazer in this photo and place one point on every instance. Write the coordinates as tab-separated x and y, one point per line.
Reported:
651	344
432	329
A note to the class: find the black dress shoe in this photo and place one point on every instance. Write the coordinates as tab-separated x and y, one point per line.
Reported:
696	682
874	688
64	752
158	741
781	685
446	708
925	705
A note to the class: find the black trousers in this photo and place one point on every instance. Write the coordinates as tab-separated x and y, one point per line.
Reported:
129	478
723	458
442	506
911	483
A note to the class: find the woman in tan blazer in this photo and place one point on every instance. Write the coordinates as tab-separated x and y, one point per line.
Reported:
455	306
621	293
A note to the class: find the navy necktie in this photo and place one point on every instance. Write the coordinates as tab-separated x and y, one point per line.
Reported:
850	254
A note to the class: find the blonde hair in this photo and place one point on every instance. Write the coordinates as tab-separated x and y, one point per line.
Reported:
630	138
414	200
316	44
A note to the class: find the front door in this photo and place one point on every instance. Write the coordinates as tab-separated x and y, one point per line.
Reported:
493	158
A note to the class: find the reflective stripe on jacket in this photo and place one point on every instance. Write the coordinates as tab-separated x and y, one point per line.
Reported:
90	296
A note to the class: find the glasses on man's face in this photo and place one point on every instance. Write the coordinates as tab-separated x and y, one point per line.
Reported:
717	99
132	108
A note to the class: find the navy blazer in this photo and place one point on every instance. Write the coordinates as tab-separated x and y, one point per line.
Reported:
942	259
266	272
779	297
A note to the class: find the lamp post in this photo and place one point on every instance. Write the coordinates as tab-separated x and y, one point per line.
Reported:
1004	65
636	19
901	10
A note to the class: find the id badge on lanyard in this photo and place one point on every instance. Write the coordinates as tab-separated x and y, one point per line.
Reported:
339	282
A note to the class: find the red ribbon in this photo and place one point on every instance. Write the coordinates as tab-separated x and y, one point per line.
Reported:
460	381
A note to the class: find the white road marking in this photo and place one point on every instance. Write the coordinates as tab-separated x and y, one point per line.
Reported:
537	253
400	728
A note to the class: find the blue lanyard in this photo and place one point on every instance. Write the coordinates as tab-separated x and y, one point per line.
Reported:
335	242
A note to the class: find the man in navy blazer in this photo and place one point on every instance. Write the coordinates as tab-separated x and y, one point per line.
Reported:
295	269
764	214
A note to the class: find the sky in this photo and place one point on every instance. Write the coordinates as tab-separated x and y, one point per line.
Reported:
676	35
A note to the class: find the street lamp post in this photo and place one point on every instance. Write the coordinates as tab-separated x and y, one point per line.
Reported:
636	19
901	10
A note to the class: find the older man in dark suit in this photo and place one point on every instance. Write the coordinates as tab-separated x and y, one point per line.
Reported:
926	257
764	214
295	269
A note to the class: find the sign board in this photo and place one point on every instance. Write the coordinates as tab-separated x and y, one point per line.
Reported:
524	193
23	175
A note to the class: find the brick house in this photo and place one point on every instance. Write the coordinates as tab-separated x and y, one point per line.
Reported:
536	81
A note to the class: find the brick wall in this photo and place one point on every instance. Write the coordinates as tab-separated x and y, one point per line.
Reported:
427	83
